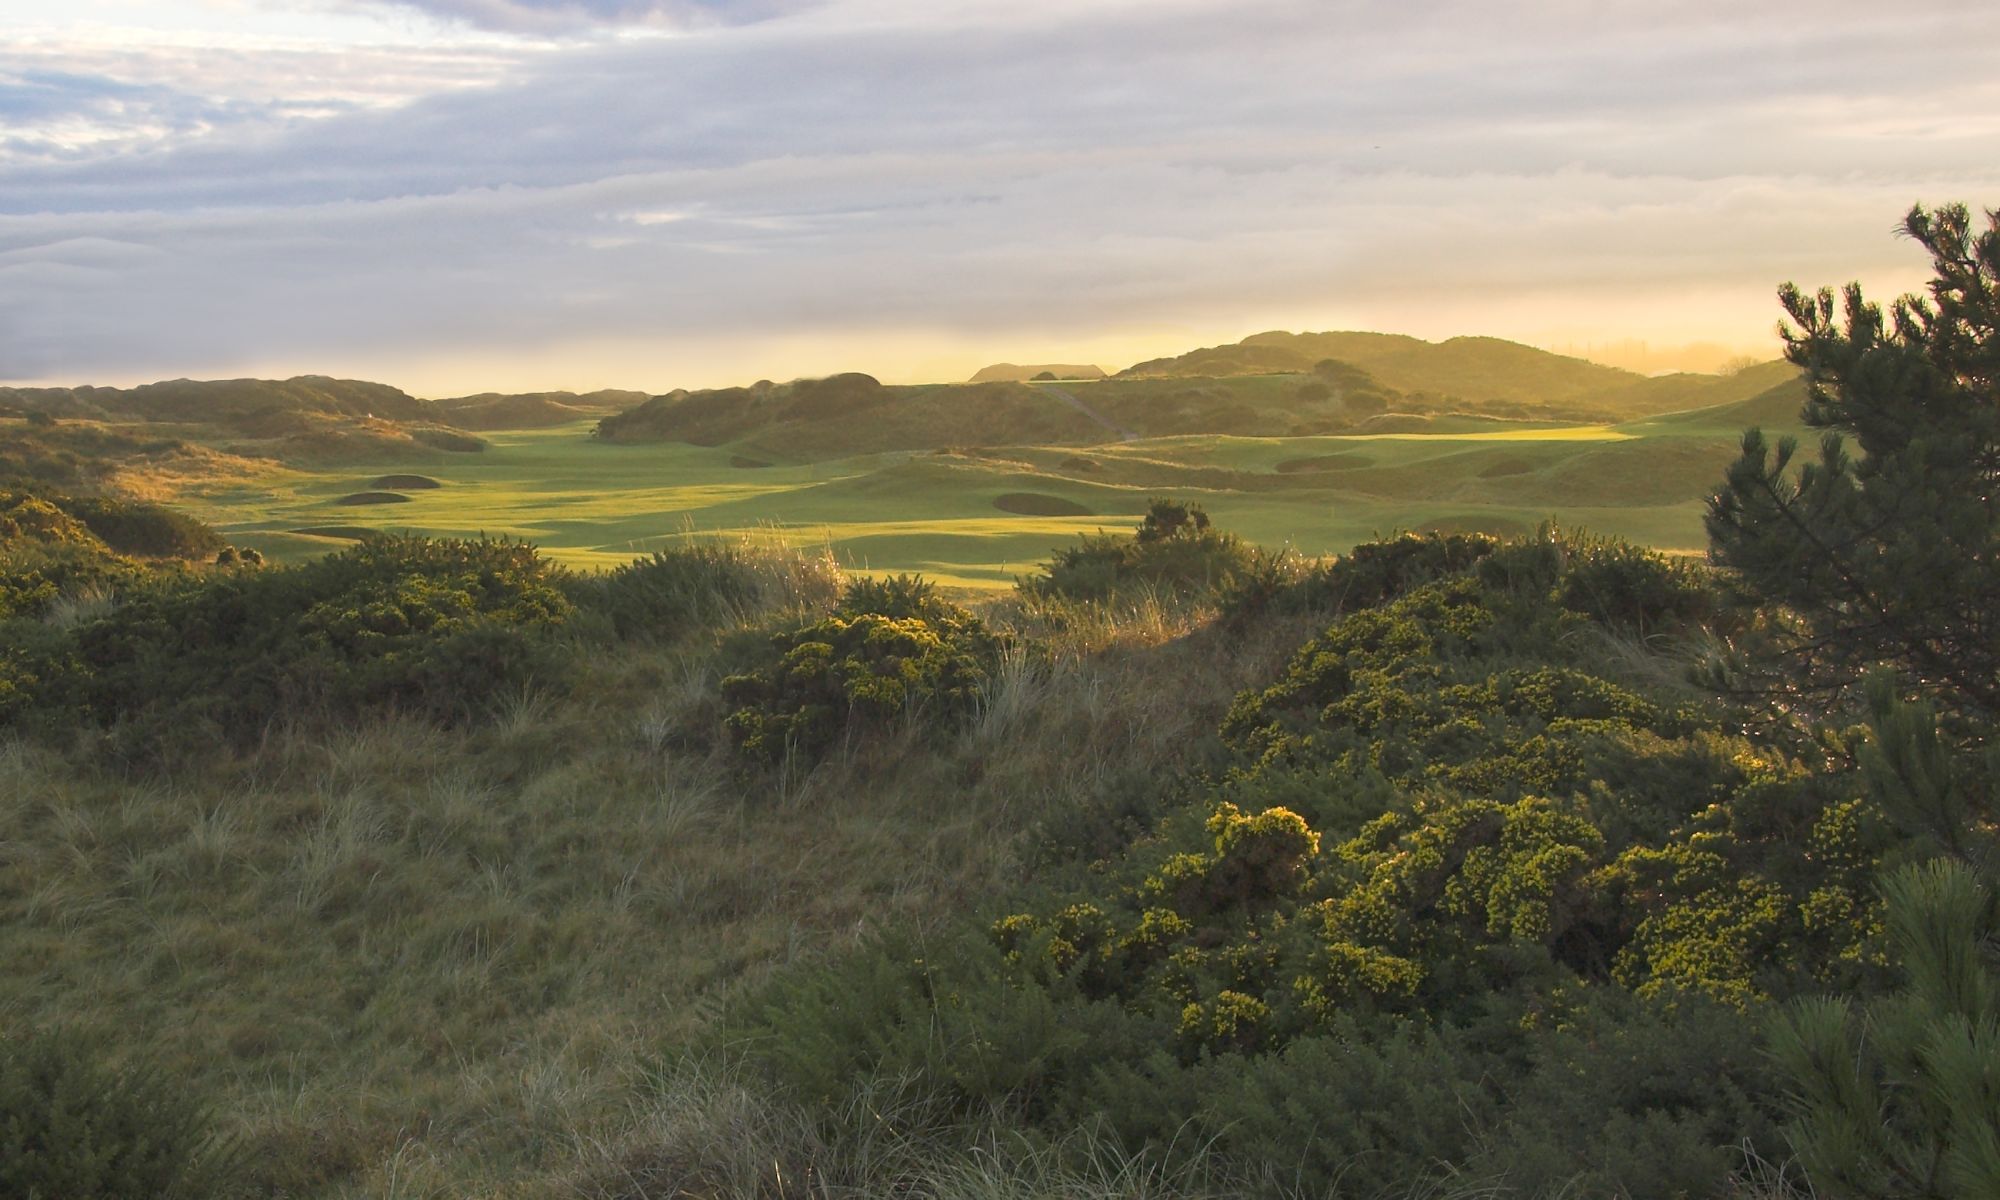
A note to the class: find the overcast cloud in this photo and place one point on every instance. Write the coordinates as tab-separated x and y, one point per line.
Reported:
573	16
659	181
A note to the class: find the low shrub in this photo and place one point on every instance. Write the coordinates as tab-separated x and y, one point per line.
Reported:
39	513
35	576
74	1128
437	627
670	591
1372	573
27	517
1454	859
1175	551
891	647
1623	585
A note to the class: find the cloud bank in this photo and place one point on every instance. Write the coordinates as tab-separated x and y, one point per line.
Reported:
569	16
879	172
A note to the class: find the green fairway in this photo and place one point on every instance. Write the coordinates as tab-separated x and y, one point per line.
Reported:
969	518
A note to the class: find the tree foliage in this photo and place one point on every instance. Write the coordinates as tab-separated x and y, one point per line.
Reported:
1887	565
1892	555
1900	1098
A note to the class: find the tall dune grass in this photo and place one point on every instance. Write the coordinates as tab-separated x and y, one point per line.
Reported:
416	961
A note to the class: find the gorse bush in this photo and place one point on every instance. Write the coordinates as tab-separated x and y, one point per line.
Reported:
73	1128
670	591
1372	573
891	647
26	517
123	526
34	574
1175	551
1622	585
1448	835
172	659
435	627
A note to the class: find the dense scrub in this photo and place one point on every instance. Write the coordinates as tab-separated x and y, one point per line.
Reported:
184	661
891	648
45	514
60	554
171	663
73	1126
1469	841
1470	883
466	956
1481	888
1175	552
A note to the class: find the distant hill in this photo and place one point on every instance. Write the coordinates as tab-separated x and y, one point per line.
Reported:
1016	373
280	407
1270	385
532	410
1776	409
223	401
308	420
854	413
1478	371
1680	392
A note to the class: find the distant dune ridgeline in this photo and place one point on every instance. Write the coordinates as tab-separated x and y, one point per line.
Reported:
158	440
1017	373
1471	368
184	427
223	401
855	413
532	410
91	456
1476	372
278	407
1657	394
309	421
1776	407
852	413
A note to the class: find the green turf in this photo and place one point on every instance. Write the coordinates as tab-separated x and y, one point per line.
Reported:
593	503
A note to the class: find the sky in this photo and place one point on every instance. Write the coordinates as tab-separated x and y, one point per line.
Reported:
512	195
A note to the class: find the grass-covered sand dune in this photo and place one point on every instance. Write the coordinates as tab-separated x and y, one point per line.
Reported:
1312	441
955	514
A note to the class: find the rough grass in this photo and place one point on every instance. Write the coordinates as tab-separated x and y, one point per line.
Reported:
699	1127
425	963
1322	462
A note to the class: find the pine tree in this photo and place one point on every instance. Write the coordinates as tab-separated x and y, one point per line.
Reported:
1901	1100
1891	556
